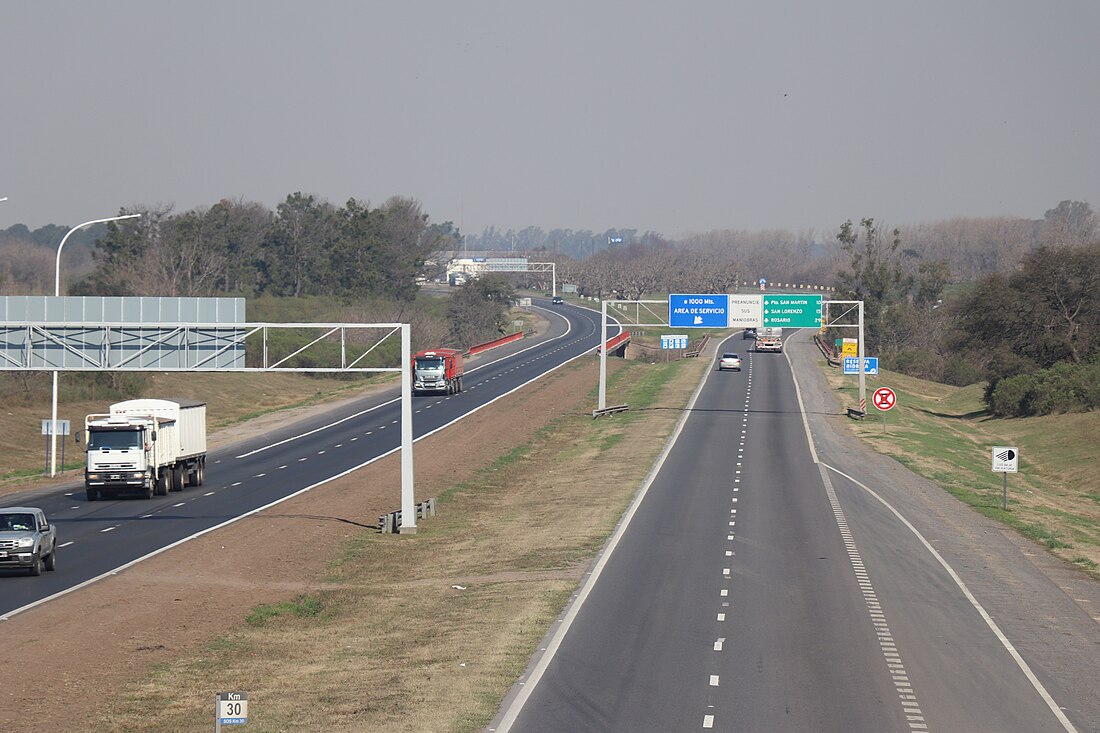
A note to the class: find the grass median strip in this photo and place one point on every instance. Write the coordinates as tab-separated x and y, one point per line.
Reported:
427	632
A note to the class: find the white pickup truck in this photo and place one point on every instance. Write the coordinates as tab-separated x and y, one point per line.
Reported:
27	539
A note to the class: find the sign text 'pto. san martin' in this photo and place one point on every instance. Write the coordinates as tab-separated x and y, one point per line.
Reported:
792	311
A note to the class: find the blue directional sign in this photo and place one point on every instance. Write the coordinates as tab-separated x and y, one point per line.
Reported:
707	310
851	365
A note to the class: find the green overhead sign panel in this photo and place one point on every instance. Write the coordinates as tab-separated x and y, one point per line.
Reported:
792	311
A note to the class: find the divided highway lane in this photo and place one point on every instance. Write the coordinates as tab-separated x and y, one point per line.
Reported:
99	537
752	588
729	602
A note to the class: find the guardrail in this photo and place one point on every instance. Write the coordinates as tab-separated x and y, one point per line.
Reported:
616	341
391	523
610	410
478	348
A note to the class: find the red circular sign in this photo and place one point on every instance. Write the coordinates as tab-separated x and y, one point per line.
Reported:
884	398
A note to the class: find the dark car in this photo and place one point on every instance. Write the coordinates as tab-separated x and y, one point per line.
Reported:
748	333
557	300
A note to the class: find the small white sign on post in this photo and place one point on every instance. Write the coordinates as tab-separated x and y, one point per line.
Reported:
232	709
1006	459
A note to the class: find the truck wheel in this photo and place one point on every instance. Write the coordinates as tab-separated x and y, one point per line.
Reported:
36	566
93	494
176	479
51	561
161	488
201	472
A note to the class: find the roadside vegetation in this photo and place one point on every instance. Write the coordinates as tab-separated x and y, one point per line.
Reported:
947	433
1029	329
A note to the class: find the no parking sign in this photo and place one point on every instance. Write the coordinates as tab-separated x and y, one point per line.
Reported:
884	398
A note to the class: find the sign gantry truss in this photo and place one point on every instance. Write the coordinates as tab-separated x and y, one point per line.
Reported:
310	347
221	347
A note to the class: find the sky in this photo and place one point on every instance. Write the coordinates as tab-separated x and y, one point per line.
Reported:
676	118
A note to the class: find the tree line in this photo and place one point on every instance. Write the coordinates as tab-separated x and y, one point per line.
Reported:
1029	327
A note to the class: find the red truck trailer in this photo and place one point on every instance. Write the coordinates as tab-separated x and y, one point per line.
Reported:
437	371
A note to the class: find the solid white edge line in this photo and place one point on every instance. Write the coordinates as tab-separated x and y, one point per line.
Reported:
524	693
1023	665
802	409
228	522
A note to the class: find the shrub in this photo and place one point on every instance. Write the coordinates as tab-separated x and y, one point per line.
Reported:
1065	387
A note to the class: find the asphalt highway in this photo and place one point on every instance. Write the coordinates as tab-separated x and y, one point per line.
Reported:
104	536
755	585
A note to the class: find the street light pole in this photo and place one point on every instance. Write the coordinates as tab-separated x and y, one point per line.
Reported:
57	293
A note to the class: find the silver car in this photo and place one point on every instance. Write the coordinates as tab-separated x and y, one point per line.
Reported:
729	361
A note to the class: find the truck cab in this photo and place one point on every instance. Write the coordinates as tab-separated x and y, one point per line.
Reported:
27	539
437	371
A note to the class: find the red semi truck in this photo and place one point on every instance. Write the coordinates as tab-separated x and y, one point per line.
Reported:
437	371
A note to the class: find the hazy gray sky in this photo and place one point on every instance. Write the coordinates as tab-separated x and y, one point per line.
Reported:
673	117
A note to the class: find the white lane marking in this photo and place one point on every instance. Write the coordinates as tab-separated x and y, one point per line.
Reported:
236	483
1023	665
714	680
320	452
718	644
109	529
874	609
259	475
509	717
280	468
708	721
66	544
178	505
721	617
145	516
302	459
209	493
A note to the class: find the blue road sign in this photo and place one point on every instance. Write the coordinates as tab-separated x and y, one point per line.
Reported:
870	365
674	341
706	310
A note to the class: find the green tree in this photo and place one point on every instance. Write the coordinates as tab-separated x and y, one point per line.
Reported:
875	276
477	312
294	256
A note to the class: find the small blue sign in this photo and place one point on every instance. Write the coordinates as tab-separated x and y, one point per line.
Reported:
704	310
851	365
670	341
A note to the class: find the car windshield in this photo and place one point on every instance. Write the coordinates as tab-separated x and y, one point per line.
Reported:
16	522
114	439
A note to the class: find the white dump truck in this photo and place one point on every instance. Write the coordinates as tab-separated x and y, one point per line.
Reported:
145	446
